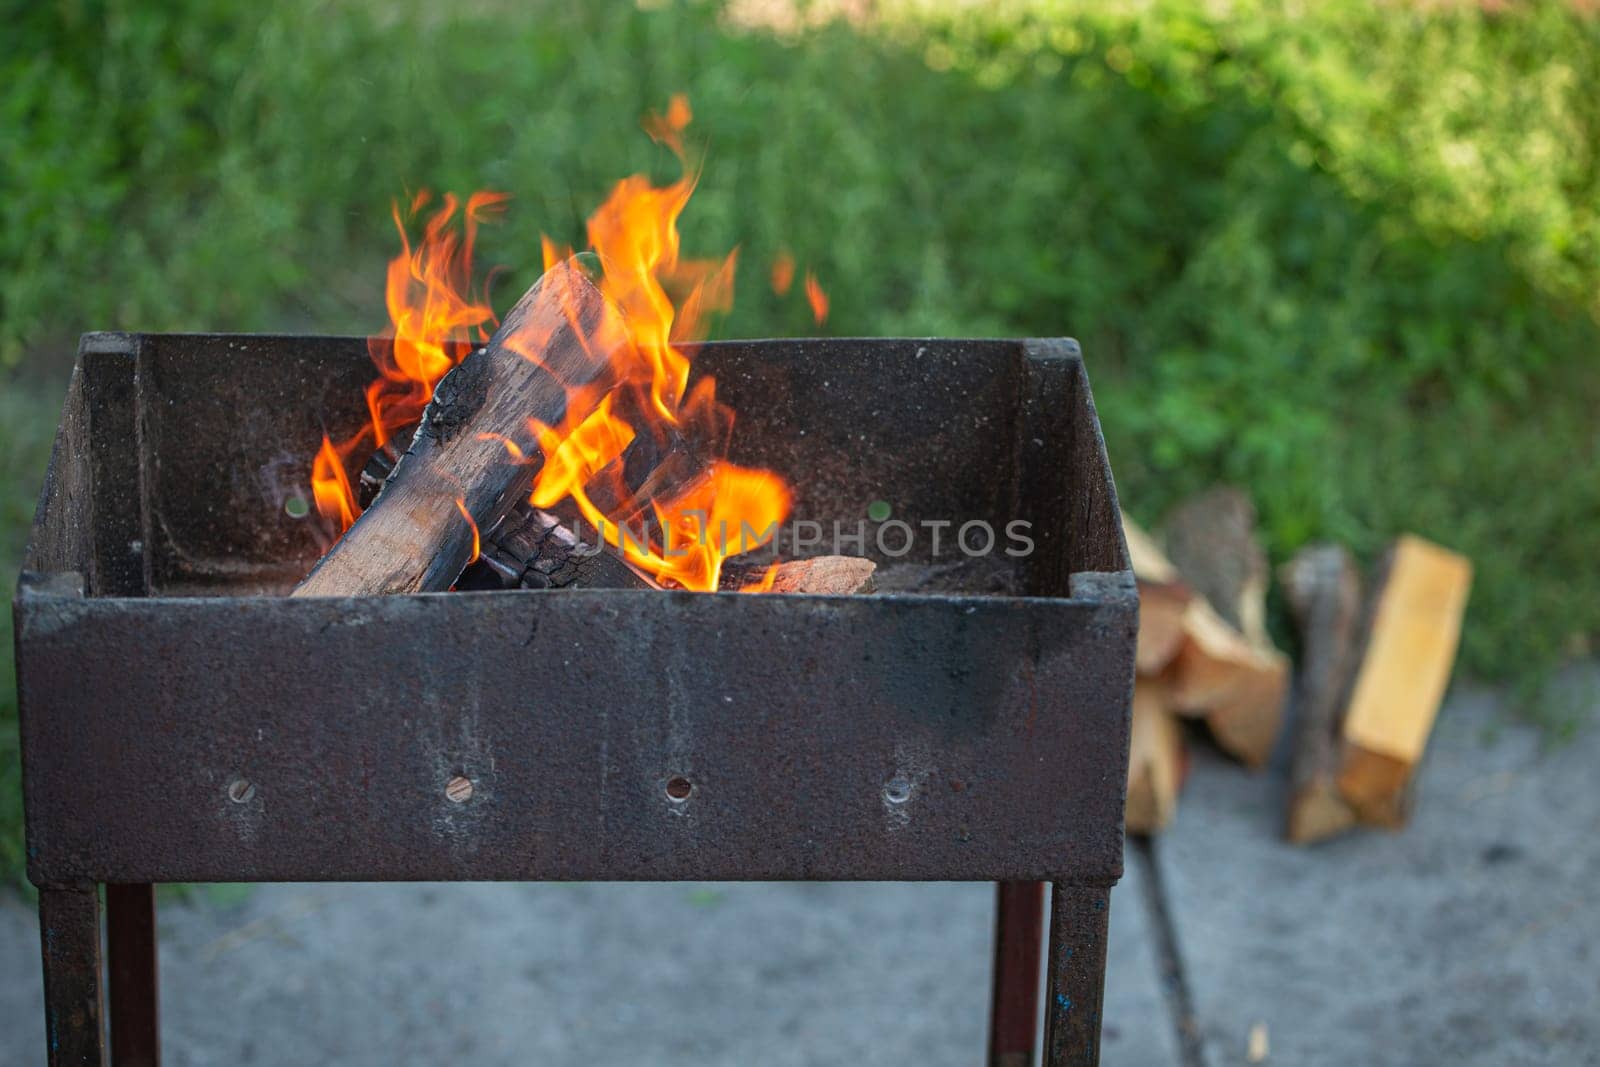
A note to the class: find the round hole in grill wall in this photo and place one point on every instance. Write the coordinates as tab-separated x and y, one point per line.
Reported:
897	790
679	788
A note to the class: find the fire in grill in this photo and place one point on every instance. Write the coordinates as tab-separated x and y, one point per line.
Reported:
183	721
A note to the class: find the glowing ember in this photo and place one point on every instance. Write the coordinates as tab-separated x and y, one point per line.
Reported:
647	465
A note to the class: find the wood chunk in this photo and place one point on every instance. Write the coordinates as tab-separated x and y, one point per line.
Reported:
1211	539
1413	629
1163	601
1162	609
1150	564
1323	588
1216	672
1155	759
538	549
1238	687
819	575
549	359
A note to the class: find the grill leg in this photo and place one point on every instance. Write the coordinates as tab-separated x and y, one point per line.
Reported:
1076	976
132	975
69	934
1018	938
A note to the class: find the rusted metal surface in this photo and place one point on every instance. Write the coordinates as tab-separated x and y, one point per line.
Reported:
1075	987
1018	944
69	935
132	975
800	721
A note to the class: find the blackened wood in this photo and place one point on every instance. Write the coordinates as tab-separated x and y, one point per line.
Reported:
1018	945
133	975
550	351
69	935
535	549
1323	588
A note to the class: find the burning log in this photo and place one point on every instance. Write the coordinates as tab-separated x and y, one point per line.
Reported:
550	361
1323	588
535	549
1411	631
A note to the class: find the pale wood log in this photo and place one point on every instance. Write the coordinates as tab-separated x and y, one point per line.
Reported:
1155	759
819	575
1214	671
1413	628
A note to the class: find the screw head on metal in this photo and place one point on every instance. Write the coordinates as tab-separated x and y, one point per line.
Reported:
458	790
241	790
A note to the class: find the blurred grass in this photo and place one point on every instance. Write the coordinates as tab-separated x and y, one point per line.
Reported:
1346	256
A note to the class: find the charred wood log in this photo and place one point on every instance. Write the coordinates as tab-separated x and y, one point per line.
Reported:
1323	588
551	353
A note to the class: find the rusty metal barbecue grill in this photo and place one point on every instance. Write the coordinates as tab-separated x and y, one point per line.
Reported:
179	726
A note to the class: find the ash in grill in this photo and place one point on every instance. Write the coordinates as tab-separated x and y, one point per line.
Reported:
968	721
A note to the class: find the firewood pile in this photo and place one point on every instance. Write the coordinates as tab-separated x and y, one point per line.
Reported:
1350	714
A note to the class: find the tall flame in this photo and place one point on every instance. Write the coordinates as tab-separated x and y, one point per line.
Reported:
703	507
432	318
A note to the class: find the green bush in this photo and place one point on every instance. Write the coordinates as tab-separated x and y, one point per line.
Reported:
1346	256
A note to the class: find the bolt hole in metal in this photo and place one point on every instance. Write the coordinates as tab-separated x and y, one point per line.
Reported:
679	788
458	790
241	790
296	507
897	790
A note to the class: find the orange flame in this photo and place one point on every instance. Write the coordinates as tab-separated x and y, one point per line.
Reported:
782	273
477	547
330	485
817	298
432	320
705	508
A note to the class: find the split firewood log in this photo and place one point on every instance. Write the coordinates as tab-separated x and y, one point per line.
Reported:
1211	540
1408	647
550	360
1163	601
1323	588
1155	759
1213	670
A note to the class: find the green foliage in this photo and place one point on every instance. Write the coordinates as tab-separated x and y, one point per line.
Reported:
1345	255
